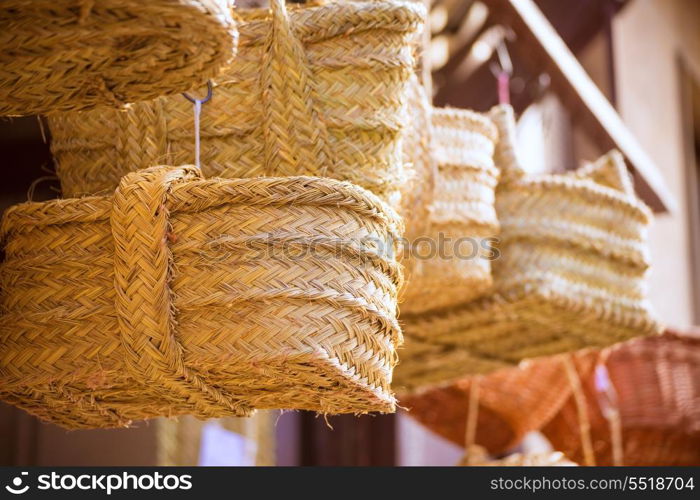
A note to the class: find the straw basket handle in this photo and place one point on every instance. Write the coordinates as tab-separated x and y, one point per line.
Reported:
506	153
607	400
473	453
609	170
295	136
144	303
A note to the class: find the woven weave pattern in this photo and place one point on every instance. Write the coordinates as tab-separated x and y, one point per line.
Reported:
206	297
461	214
512	402
64	55
334	75
657	381
571	273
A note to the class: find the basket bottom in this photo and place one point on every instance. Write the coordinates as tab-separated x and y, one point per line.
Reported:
494	333
315	382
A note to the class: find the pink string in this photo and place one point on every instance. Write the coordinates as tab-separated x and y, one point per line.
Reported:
197	114
503	87
607	396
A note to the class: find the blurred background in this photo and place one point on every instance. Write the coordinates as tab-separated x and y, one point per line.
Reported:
643	55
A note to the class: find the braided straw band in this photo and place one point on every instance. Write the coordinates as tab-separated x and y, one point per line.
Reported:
326	82
213	297
142	275
65	55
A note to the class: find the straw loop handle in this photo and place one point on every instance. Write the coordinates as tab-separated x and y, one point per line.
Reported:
472	452
581	410
505	154
609	407
142	274
294	134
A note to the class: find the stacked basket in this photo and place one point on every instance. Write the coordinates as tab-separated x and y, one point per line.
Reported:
448	258
569	273
454	268
183	295
336	74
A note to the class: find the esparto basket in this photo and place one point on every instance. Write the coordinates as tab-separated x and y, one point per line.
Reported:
657	382
179	295
338	70
570	273
449	262
512	402
66	55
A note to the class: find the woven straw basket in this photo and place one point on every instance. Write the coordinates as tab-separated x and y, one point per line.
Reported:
657	382
571	273
336	73
512	402
64	55
206	297
453	267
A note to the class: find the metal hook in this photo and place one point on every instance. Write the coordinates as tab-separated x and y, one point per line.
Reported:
505	63
210	93
197	112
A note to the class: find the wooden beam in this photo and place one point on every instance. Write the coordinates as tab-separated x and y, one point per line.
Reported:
536	38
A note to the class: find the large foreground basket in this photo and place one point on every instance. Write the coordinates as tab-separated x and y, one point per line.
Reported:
512	402
63	55
657	381
449	262
336	73
570	273
206	297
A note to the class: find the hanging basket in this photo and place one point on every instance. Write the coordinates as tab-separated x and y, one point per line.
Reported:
206	297
657	381
570	273
336	73
449	263
67	55
512	402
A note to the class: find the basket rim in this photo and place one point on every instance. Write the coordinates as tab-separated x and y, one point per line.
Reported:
547	182
210	193
356	17
464	118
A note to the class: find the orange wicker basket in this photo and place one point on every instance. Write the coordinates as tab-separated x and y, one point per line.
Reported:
512	402
657	382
